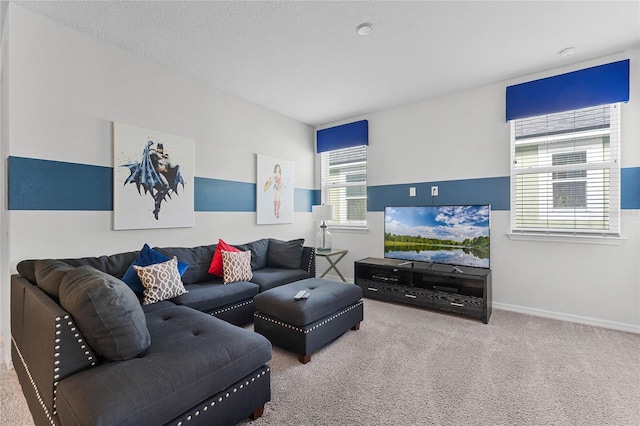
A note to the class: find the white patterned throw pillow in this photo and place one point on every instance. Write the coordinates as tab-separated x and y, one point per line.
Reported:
161	281
236	266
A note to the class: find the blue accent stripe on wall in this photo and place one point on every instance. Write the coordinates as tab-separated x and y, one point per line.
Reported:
303	200
317	197
494	191
630	188
35	184
217	195
53	185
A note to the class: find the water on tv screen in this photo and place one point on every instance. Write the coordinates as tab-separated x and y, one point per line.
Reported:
454	235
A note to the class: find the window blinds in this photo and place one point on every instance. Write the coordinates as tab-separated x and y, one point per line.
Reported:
565	172
344	184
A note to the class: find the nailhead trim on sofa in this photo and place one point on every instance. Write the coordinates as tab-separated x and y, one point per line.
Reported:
63	324
230	308
313	255
33	384
72	328
212	403
302	330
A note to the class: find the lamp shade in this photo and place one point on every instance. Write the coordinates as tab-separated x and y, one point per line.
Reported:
323	212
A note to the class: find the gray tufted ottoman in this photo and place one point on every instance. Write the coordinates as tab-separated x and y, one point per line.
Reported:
304	326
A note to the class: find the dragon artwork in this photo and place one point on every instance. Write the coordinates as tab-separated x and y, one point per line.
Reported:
156	175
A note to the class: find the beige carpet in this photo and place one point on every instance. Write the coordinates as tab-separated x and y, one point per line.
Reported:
407	366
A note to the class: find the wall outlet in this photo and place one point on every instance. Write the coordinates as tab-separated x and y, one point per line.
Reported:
412	191
434	191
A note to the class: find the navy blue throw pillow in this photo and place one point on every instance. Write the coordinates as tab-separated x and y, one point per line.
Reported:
146	257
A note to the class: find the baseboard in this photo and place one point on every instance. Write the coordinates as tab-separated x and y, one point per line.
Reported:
630	328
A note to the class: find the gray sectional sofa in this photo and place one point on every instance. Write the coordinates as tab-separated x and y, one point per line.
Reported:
87	352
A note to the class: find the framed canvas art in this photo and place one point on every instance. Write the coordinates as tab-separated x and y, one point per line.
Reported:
152	179
274	190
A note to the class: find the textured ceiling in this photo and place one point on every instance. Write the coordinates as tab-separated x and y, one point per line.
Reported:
305	60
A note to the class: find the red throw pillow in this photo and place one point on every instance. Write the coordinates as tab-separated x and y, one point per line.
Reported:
216	262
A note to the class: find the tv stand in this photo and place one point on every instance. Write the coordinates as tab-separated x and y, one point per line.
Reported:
456	289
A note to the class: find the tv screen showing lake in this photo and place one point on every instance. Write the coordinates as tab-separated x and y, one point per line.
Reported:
454	235
456	256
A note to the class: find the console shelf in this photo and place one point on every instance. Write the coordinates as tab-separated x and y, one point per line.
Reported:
460	290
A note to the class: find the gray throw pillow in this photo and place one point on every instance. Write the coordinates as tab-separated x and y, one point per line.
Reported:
107	312
49	275
161	281
285	254
236	266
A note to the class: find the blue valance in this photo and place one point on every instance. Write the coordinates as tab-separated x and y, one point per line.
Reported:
344	136
603	84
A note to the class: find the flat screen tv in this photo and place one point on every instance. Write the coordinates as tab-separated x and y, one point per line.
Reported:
454	235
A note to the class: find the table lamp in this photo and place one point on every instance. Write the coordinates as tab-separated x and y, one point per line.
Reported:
323	213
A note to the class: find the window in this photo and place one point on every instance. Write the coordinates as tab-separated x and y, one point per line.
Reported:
565	172
344	185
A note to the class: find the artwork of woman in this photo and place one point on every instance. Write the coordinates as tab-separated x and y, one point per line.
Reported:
274	198
278	187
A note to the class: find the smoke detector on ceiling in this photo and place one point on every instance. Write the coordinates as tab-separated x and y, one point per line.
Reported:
567	51
364	29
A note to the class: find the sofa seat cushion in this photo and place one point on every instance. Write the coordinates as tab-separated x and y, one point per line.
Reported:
207	297
157	306
192	356
268	277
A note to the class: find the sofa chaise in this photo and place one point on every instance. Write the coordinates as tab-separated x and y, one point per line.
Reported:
88	350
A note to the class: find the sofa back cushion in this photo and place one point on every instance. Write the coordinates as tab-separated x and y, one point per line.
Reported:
285	254
27	268
198	259
118	264
115	264
107	312
49	274
259	250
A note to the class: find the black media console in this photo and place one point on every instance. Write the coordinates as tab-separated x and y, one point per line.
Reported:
458	289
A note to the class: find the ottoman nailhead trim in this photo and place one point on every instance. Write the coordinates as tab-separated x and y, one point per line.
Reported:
202	410
315	327
230	308
280	323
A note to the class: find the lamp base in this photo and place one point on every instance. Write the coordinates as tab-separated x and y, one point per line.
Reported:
323	239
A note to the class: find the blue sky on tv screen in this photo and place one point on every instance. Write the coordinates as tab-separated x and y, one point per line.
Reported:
444	222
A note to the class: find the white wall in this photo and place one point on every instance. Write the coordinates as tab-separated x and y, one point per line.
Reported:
64	89
4	214
67	88
464	136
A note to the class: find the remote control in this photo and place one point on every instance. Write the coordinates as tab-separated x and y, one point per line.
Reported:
306	295
299	295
